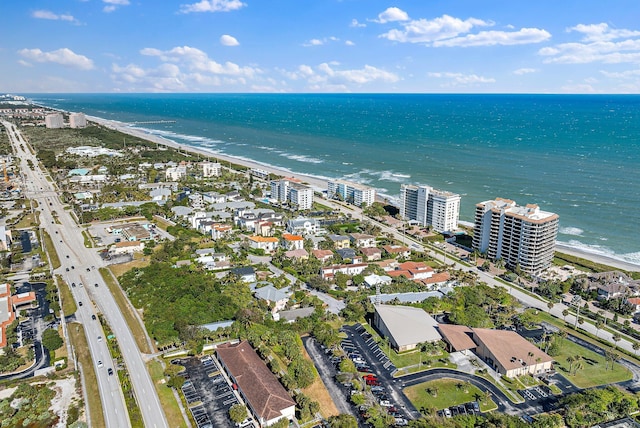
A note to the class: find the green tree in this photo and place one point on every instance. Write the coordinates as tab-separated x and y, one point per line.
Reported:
238	413
343	421
51	339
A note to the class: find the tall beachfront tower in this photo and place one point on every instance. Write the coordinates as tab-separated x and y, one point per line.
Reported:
54	121
77	120
353	193
430	207
522	236
290	190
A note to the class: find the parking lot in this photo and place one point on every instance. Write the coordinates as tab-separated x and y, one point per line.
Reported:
470	408
535	393
208	394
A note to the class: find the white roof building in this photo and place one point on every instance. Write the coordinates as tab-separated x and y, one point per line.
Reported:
405	326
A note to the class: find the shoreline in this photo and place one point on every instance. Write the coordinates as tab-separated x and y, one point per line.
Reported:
319	184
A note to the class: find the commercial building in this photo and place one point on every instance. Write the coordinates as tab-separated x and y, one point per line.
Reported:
354	193
405	326
266	398
290	191
430	207
54	120
523	236
77	120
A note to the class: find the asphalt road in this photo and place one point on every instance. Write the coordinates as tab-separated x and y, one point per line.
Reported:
80	265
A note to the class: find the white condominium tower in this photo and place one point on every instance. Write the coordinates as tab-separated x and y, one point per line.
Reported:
430	207
522	236
77	120
54	120
353	193
289	190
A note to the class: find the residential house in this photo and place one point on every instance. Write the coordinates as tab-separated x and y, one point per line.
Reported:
339	241
220	230
347	253
264	228
388	264
294	314
213	198
277	298
160	194
413	270
374	280
303	226
299	254
322	255
266	243
361	240
246	273
210	169
292	242
328	272
397	251
371	253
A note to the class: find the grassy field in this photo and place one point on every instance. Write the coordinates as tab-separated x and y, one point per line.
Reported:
29	220
53	254
593	372
69	306
127	310
79	342
318	392
167	400
88	242
450	392
119	269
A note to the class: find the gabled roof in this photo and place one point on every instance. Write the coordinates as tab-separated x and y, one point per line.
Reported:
267	397
270	293
458	336
509	348
290	237
263	239
408	325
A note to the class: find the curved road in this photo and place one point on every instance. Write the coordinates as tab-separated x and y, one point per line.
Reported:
80	265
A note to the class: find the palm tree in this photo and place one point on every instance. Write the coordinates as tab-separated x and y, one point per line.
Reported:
635	347
550	306
599	325
570	359
577	366
616	338
565	312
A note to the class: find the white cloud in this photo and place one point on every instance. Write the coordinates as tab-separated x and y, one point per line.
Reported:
460	79
25	63
356	24
602	32
349	43
320	42
326	76
598	44
64	56
578	88
428	31
522	71
392	14
212	6
196	60
113	5
627	74
227	40
491	38
47	14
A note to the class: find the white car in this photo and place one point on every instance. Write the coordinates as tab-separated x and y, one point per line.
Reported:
100	364
385	403
447	412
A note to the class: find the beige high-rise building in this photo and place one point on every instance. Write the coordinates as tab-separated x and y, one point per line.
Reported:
54	120
77	120
523	236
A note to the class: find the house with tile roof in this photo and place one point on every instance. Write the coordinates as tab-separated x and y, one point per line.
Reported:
266	243
265	397
292	242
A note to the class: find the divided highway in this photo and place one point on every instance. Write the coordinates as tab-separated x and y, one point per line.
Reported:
80	266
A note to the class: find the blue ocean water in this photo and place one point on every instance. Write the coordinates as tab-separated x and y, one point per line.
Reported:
576	155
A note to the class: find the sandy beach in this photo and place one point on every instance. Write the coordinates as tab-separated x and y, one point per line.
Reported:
318	184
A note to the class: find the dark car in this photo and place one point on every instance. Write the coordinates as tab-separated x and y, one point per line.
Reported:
93	317
110	371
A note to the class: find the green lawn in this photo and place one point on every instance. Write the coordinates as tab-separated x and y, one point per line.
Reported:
51	250
593	372
169	403
450	392
411	358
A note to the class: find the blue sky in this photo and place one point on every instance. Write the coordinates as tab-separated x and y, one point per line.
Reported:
423	46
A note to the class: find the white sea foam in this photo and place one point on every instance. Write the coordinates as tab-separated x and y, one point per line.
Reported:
301	158
601	250
575	231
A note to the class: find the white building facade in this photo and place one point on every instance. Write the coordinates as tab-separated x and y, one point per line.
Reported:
353	193
77	120
430	207
54	121
211	169
287	191
523	236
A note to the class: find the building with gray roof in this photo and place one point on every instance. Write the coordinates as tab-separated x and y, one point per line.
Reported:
405	326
